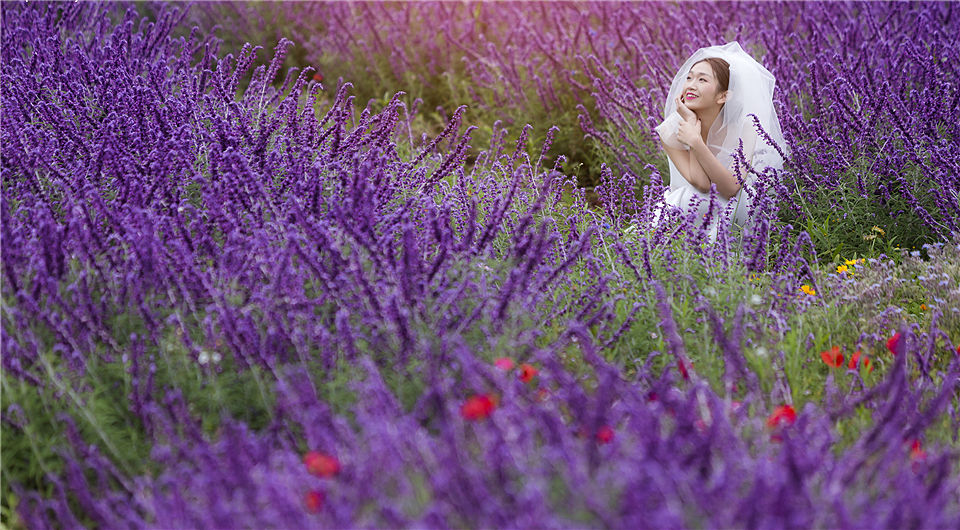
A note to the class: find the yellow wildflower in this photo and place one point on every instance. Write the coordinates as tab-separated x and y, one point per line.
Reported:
808	290
842	269
849	262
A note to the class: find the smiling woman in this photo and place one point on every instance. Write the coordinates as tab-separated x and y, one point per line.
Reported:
709	113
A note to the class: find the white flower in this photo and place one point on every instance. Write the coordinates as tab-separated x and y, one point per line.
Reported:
756	299
203	358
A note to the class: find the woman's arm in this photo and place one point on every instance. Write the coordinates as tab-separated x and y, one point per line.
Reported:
727	184
702	160
689	167
678	151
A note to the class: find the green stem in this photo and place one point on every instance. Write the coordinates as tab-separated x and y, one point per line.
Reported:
87	415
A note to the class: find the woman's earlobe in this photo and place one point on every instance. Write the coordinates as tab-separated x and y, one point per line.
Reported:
723	97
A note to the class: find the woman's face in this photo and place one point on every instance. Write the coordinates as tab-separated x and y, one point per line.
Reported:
701	90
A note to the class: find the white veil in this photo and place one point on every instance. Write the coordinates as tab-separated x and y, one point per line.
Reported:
750	91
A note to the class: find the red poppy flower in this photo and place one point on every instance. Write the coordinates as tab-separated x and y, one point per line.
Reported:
605	434
318	76
859	358
477	407
504	363
313	500
892	343
917	455
321	464
832	357
683	368
782	415
916	450
528	372
958	350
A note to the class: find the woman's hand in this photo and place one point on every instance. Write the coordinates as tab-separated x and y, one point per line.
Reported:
684	110
689	132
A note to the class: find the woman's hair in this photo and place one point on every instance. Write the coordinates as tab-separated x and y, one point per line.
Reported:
721	70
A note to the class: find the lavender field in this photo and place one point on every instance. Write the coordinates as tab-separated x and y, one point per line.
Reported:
371	265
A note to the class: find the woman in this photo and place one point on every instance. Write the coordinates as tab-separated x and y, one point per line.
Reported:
709	112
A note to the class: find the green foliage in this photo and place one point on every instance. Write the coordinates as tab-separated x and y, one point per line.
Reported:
845	222
439	90
850	306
